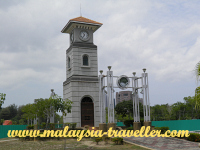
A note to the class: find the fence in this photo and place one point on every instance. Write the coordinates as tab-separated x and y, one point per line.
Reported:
191	125
4	129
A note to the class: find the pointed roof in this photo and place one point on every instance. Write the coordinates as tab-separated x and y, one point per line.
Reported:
83	19
81	22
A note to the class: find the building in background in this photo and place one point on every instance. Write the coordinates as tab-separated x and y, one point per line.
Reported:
125	96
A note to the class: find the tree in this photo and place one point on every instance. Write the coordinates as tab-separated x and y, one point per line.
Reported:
5	114
197	91
2	98
46	107
123	108
197	97
197	70
29	112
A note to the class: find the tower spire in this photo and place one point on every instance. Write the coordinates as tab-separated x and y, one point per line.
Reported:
80	10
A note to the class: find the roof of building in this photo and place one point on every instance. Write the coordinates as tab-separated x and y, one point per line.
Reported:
83	19
81	22
7	122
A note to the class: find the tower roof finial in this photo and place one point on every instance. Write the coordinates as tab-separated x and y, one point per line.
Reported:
80	10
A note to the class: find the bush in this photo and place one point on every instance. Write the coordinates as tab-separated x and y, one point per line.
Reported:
129	128
117	140
52	126
43	125
73	125
67	124
98	139
194	137
163	129
30	127
128	123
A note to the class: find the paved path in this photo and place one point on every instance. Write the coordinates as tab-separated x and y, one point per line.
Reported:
8	140
163	143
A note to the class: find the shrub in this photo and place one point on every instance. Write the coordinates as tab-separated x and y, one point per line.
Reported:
52	126
129	128
194	137
67	124
73	125
128	123
43	125
117	140
98	139
163	129
30	127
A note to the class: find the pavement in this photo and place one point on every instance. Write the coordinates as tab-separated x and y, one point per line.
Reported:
8	140
163	143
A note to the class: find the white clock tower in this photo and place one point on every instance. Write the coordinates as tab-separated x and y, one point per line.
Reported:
82	85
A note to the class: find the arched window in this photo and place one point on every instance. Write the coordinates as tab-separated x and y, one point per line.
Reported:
85	60
69	62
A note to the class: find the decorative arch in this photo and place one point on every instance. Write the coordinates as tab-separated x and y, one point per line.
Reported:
87	111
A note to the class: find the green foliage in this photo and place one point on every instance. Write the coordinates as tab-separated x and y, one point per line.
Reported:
71	125
176	111
128	123
52	126
46	107
30	127
21	122
14	122
129	128
197	97
197	70
117	140
195	137
5	114
163	129
1	121
43	125
29	111
98	139
2	98
123	108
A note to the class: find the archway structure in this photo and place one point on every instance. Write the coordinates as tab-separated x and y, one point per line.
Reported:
87	112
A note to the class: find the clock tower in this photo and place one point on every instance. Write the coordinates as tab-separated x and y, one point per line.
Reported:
82	85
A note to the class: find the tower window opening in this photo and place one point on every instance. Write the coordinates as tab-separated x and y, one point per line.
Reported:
85	60
69	62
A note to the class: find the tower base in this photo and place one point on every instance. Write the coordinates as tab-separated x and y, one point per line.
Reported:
136	125
103	127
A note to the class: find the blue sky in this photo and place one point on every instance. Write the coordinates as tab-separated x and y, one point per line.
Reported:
162	36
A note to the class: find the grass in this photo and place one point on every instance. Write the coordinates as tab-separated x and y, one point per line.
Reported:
71	144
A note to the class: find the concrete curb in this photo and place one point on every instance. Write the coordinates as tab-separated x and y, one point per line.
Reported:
8	140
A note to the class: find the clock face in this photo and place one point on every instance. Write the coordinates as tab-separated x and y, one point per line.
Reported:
123	82
84	35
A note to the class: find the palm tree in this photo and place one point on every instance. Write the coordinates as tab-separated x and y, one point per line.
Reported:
197	70
197	91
